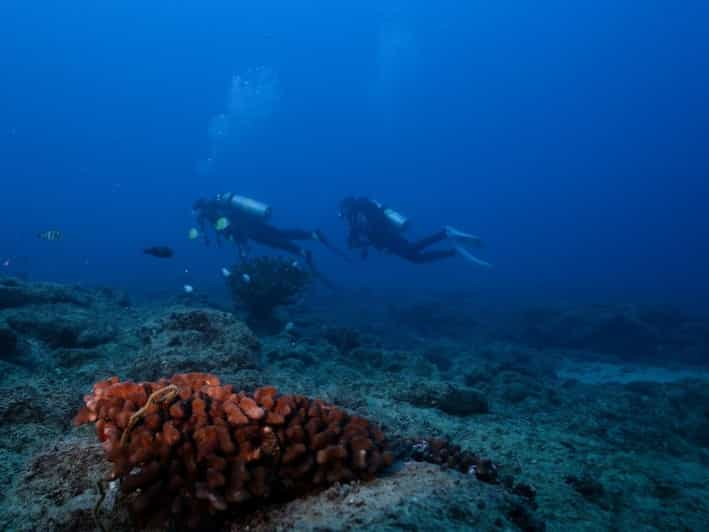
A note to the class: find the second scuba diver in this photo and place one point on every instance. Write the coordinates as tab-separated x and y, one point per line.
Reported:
373	224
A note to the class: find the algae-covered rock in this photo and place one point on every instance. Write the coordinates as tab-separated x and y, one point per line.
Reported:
18	293
630	331
453	400
185	339
13	349
79	328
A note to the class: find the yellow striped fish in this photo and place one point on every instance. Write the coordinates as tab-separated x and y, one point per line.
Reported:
50	235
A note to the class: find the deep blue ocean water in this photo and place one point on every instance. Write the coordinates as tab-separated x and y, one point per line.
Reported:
572	137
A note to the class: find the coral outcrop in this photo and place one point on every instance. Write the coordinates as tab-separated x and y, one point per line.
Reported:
264	283
190	449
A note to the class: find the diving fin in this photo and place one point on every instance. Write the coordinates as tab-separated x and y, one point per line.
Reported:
470	257
320	237
462	238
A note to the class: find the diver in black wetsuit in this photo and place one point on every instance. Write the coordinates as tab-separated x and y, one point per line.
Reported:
372	224
207	212
246	220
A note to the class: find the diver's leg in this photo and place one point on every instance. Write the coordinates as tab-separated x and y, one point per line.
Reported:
463	252
418	257
430	240
297	234
317	235
279	243
462	238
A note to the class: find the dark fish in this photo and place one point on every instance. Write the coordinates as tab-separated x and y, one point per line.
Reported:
161	252
50	235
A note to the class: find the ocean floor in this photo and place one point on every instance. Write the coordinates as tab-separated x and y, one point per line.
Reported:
594	418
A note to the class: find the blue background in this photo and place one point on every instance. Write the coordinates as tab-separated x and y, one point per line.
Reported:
572	136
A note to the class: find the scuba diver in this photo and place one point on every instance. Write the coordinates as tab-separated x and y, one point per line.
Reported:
240	220
373	224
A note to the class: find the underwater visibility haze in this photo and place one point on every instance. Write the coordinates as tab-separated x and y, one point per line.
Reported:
288	245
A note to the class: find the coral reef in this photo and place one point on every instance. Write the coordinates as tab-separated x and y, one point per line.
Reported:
190	448
264	283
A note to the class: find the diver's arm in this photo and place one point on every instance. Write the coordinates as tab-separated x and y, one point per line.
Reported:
203	230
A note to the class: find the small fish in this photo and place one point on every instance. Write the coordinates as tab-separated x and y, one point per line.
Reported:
295	264
161	252
226	272
193	234
6	263
188	288
50	235
246	277
222	223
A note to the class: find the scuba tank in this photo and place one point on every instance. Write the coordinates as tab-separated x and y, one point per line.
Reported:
244	205
398	220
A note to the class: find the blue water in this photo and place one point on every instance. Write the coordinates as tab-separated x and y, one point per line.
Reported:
571	136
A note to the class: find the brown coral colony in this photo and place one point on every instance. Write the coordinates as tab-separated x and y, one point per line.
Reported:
189	446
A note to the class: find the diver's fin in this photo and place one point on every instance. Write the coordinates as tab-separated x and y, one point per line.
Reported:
319	236
470	257
463	238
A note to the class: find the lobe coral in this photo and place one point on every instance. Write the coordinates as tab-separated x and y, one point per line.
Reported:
189	449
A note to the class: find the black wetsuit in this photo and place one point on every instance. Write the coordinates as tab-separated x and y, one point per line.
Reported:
243	228
369	225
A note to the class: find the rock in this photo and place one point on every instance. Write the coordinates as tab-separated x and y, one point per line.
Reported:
463	402
516	392
371	357
171	340
12	348
439	356
453	400
342	338
624	330
588	487
62	329
72	358
59	491
17	293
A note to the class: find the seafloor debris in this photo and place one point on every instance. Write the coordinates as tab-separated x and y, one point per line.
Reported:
442	452
189	449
